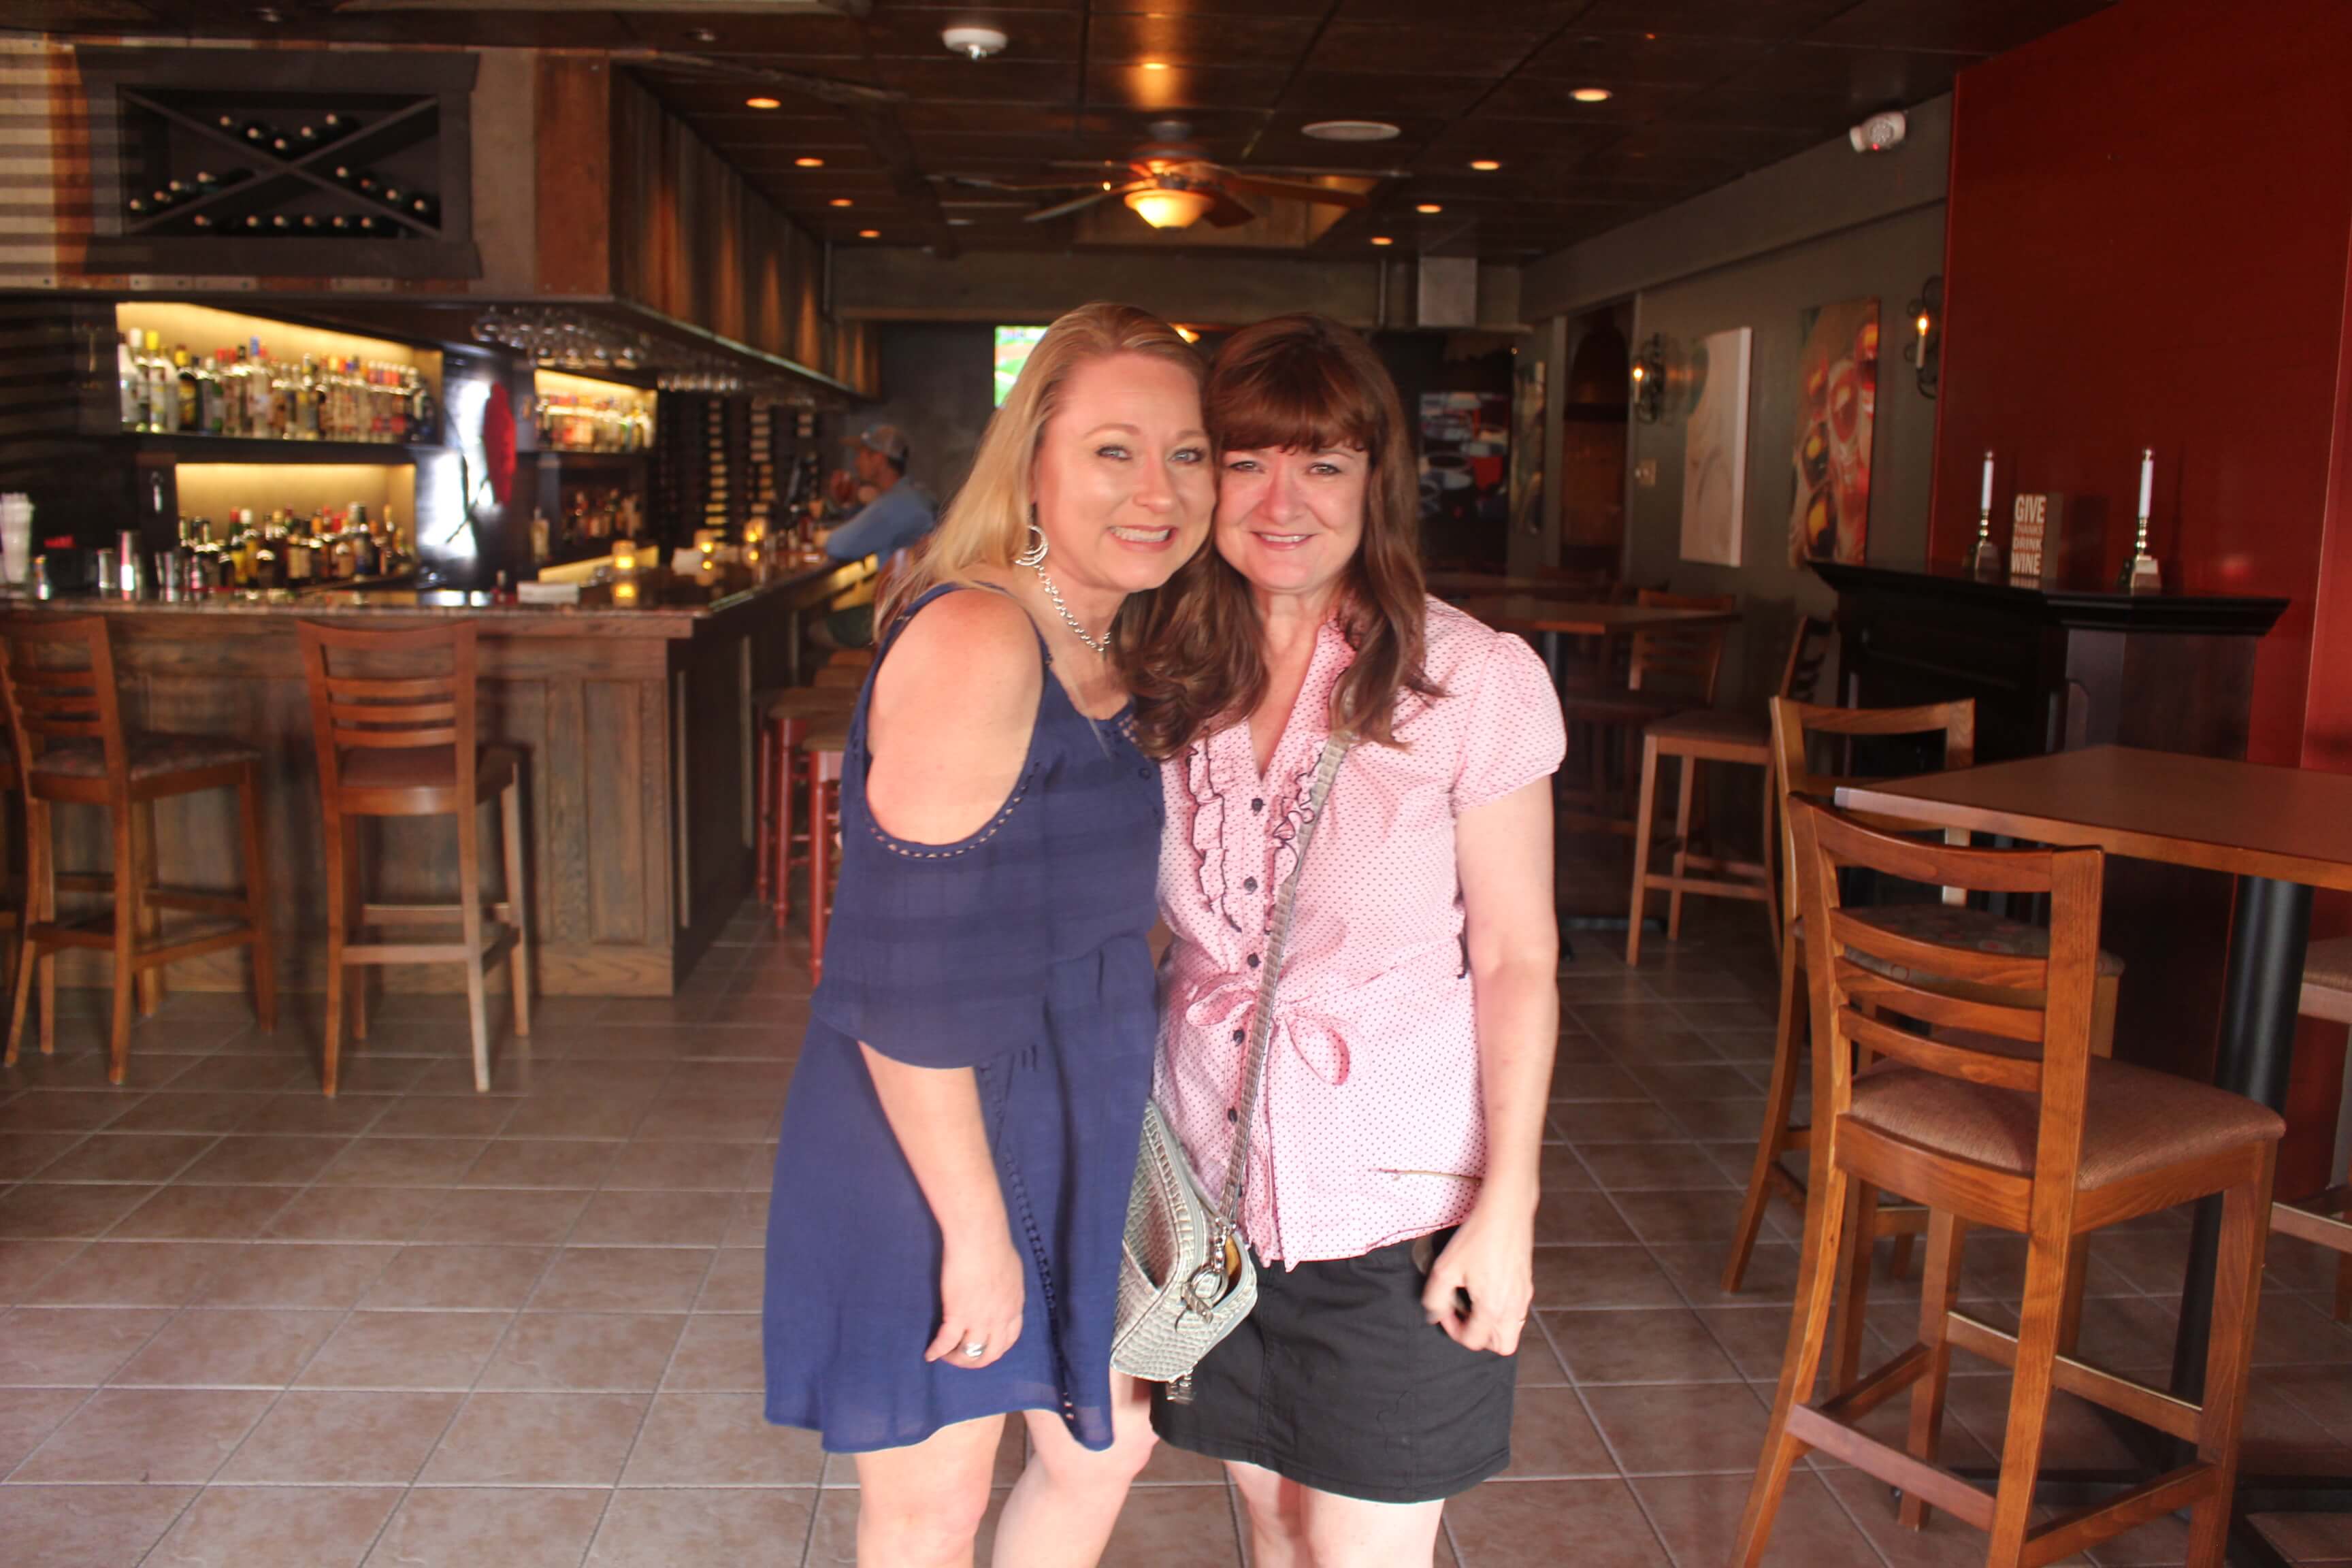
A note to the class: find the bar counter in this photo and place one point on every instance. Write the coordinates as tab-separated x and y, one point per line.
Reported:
636	727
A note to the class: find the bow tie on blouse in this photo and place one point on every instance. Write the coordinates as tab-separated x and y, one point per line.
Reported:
1299	1022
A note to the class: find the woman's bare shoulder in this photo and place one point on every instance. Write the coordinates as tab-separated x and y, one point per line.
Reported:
963	672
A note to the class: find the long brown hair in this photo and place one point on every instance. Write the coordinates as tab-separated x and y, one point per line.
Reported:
1300	382
988	521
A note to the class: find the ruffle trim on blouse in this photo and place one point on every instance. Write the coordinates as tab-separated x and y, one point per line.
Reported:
1285	833
1208	824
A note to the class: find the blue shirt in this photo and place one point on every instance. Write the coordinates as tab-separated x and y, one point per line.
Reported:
891	521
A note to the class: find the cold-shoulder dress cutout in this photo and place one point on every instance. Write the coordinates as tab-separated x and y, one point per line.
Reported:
1020	951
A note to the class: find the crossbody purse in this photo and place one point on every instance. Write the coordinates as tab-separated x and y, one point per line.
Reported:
1185	1276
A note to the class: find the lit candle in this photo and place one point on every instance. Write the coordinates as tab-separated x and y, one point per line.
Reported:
1984	501
2147	477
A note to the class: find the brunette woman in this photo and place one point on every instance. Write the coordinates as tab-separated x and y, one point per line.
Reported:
951	1181
1391	1187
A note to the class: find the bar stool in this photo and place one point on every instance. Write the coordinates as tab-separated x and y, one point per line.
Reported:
2326	993
1951	922
2052	1144
67	714
785	718
826	744
1670	671
392	715
1711	735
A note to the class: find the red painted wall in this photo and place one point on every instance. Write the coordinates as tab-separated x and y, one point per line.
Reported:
2146	247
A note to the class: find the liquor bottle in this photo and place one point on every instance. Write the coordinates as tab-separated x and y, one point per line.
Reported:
186	390
209	416
132	379
306	401
424	412
162	388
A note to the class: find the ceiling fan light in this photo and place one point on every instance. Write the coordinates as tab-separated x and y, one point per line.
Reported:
1170	209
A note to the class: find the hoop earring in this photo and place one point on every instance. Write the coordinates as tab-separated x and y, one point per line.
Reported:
1035	554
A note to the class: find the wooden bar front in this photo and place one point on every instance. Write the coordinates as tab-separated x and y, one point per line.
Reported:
636	727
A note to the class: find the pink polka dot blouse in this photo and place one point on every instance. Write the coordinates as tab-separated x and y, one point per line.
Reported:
1370	1128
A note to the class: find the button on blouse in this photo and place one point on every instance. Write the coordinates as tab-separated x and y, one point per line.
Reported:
1370	1129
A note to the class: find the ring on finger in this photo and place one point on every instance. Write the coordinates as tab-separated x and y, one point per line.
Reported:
975	1348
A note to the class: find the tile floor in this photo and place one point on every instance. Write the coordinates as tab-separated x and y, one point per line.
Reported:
410	1327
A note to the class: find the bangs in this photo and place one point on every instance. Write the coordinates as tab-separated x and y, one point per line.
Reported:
1298	396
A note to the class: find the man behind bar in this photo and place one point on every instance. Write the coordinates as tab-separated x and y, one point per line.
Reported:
897	517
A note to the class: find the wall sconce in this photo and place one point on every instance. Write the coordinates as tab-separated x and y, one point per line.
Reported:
1925	347
1649	377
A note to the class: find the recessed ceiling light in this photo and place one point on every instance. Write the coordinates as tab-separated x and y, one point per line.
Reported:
869	234
1590	95
1428	208
1382	239
808	162
840	202
763	103
702	35
1485	165
1155	65
1349	131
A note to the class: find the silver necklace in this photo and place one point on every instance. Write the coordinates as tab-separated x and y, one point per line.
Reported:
1100	644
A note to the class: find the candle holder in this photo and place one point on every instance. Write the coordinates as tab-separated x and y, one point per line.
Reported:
2140	573
1986	567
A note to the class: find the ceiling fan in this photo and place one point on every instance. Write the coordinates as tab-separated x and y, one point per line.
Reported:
1170	182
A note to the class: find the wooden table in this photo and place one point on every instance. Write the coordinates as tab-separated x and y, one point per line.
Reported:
1553	620
1459	585
2281	832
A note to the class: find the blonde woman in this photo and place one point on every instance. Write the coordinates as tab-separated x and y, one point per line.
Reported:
952	1177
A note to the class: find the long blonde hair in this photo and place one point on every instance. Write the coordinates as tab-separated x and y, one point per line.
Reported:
987	524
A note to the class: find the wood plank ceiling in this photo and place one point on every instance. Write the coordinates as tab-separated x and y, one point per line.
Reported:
1701	91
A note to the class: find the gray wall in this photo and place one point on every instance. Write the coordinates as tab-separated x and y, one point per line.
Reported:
936	388
1889	259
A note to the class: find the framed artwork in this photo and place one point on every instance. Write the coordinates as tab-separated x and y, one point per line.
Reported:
1837	404
1715	449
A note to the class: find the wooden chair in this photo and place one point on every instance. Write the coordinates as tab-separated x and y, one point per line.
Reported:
1711	735
392	715
2326	993
1669	671
827	742
2001	1117
1952	921
74	749
785	717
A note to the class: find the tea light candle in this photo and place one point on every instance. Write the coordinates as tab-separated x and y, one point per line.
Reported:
2147	477
1984	501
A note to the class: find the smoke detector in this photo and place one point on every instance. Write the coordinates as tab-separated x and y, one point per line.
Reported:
974	43
1879	134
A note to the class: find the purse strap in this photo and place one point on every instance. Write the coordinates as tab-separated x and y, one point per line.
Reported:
1228	1214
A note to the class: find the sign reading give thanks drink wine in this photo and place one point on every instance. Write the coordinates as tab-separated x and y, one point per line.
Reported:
2036	537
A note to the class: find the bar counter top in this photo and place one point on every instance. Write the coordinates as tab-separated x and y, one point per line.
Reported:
666	608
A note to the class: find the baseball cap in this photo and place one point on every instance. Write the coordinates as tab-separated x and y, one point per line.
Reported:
886	439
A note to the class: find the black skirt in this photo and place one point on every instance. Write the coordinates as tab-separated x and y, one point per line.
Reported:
1337	1380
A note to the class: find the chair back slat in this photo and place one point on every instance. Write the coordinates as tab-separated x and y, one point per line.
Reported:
391	691
1796	723
1942	1004
1976	1066
58	675
1808	651
1681	661
1852	1006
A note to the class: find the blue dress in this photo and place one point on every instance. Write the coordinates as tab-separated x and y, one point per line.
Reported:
1022	952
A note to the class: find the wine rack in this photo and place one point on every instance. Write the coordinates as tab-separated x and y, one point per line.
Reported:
282	163
702	466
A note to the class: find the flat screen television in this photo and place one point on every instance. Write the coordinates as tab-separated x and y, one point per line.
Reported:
1013	346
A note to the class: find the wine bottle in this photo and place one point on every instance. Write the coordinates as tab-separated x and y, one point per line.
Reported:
334	127
340	224
280	224
256	134
393	197
202	222
425	209
306	138
136	206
